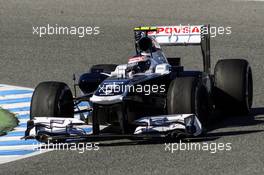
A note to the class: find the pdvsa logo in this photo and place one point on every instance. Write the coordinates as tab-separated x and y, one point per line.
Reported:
169	30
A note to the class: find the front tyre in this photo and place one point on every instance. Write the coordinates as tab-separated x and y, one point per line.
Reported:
187	96
52	99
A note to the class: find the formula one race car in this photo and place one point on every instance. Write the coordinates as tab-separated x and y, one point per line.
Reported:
150	96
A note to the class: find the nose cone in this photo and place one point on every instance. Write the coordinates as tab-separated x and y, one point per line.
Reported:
110	92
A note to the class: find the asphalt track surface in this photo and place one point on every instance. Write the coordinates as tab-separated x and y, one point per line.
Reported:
27	59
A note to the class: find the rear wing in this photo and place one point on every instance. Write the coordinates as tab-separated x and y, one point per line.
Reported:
176	35
180	35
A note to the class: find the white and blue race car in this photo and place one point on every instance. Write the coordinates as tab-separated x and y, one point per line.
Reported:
150	96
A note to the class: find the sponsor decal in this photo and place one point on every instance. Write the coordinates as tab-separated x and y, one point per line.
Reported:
136	59
169	30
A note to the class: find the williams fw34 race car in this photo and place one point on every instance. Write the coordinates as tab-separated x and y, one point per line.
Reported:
151	96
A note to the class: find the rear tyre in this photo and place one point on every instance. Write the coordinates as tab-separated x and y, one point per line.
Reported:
187	96
233	90
52	99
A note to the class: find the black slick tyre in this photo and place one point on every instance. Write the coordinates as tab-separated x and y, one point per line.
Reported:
52	99
233	87
187	96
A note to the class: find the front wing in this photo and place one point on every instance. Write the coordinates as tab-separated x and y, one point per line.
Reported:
52	129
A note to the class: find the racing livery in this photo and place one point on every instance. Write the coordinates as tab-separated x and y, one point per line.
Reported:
150	96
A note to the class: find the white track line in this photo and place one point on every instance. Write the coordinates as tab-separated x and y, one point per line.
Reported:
18	129
22	113
23	121
15	105
18	96
16	87
7	88
20	147
10	158
4	138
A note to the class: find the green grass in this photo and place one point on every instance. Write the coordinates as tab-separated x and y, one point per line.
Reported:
7	121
